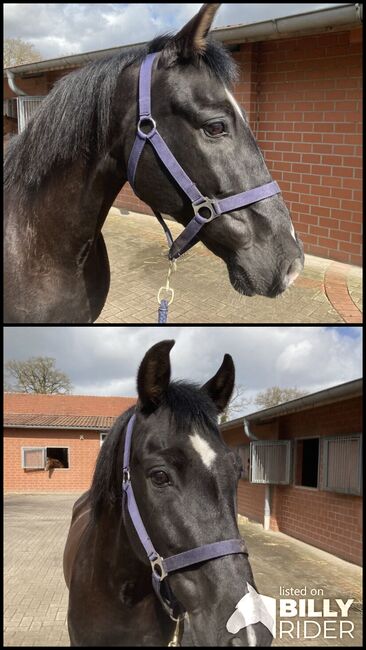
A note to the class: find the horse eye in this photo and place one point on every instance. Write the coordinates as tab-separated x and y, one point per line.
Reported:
215	128
160	478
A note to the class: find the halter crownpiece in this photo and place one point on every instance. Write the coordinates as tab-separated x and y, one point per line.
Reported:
205	209
161	567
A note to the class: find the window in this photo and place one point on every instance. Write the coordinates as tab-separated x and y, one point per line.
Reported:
57	457
270	461
342	464
27	106
244	453
102	437
10	107
33	457
307	462
45	458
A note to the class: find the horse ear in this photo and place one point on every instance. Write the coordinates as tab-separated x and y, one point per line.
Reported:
220	387
154	375
191	39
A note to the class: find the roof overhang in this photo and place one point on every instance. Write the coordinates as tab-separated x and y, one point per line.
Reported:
329	19
321	398
64	428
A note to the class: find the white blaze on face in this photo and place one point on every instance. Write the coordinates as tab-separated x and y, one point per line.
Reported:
202	448
234	103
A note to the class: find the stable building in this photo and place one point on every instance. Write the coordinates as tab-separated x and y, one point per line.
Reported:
301	87
51	442
302	471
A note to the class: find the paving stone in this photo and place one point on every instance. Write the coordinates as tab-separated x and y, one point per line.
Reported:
203	293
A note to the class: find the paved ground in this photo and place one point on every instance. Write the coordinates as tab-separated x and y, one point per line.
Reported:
35	595
326	292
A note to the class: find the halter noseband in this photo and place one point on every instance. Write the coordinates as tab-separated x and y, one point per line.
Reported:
205	209
161	567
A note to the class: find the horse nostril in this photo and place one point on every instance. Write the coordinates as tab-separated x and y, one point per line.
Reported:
293	271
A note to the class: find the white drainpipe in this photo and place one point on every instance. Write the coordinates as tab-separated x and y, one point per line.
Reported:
12	83
267	487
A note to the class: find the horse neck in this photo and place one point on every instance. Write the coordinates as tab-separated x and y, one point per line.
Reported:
120	562
76	198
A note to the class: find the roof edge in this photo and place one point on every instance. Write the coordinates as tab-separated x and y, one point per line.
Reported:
319	20
329	395
66	428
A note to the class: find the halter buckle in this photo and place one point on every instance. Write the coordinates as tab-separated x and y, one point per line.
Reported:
157	568
206	204
126	477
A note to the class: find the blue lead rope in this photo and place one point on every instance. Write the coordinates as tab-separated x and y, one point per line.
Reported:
163	312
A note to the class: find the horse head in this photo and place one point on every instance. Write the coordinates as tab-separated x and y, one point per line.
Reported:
209	135
184	478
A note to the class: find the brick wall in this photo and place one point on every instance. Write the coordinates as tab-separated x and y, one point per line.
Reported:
310	116
328	520
303	97
82	453
82	457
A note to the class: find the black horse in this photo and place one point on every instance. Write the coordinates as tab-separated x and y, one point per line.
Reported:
64	171
184	478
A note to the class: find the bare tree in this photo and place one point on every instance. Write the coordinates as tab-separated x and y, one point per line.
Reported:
17	52
276	395
236	404
36	375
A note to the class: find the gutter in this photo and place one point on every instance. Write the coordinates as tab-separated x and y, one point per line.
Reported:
329	19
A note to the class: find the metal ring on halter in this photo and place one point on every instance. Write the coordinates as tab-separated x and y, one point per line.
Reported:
169	290
207	204
146	136
157	568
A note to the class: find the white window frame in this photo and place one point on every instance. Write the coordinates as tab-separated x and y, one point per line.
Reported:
254	464
325	446
27	105
101	439
34	448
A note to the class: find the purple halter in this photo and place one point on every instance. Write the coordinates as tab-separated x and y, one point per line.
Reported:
202	205
161	567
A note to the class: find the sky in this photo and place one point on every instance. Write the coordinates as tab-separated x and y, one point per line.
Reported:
63	29
104	360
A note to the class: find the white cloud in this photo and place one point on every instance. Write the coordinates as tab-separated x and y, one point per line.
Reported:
105	360
57	29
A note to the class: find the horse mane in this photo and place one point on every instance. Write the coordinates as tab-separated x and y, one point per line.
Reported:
74	120
190	407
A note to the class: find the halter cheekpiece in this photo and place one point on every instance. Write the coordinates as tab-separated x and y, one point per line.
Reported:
161	567
205	209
